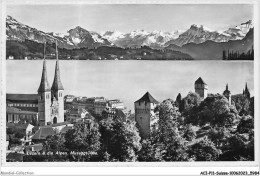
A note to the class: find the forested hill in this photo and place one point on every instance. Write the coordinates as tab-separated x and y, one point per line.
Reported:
33	50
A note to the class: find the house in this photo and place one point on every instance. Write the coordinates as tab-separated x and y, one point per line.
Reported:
33	148
41	134
115	113
76	113
116	104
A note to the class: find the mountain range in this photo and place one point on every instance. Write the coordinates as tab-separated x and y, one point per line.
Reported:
79	37
74	38
211	50
195	41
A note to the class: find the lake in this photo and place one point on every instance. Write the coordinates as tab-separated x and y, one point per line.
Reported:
129	80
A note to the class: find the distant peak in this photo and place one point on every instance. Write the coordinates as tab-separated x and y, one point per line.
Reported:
78	29
201	27
8	17
248	22
196	26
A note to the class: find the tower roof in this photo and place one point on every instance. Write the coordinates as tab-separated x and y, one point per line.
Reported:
44	85
200	81
148	98
226	91
57	85
246	89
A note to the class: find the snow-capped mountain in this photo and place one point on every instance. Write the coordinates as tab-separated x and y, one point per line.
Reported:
199	34
139	38
82	38
240	31
79	37
74	38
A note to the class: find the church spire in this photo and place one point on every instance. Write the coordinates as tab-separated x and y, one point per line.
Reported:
57	85
227	87
44	85
247	93
246	89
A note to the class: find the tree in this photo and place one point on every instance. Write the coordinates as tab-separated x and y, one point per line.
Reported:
168	114
55	143
242	104
246	125
189	133
238	148
19	133
219	135
204	150
224	57
190	101
178	100
166	138
149	152
216	110
83	137
120	140
251	107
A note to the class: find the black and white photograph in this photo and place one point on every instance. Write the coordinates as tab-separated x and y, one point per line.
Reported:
129	83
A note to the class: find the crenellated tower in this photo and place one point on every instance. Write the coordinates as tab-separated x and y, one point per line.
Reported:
44	97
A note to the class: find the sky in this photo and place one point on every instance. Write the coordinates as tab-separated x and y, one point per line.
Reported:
130	80
126	18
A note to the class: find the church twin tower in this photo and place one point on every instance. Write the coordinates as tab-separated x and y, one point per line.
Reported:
50	100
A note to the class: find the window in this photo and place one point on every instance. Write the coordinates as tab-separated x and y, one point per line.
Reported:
10	118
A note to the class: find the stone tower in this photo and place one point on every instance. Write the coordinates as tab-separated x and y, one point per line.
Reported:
44	97
57	94
227	94
201	88
144	114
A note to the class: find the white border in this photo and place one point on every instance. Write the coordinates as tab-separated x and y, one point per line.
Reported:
134	164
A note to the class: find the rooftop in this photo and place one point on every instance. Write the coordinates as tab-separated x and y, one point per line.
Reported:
147	98
23	97
43	132
65	129
60	124
200	81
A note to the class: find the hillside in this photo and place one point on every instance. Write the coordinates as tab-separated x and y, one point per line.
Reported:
34	50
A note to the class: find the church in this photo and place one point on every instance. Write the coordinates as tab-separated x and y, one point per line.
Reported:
48	103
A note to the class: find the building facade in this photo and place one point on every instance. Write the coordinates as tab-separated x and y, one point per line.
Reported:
144	114
15	115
